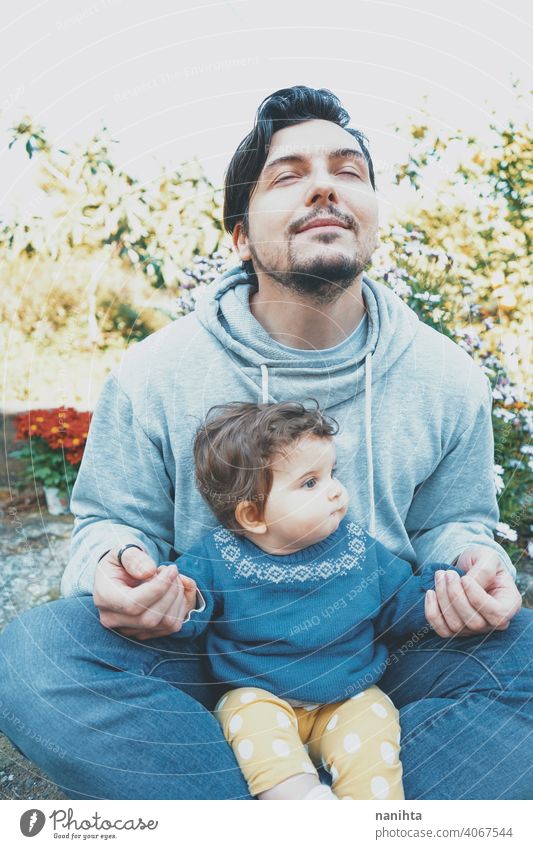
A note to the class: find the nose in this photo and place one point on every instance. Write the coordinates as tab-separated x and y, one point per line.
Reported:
321	188
335	489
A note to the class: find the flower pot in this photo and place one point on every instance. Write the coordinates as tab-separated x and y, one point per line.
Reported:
57	502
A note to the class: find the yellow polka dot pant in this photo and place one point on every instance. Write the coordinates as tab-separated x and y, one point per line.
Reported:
357	741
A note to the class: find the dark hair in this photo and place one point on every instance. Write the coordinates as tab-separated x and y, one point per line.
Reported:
283	108
235	447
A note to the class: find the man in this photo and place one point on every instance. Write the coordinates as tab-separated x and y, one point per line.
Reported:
127	704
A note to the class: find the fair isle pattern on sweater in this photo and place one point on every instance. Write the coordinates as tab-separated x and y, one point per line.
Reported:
261	570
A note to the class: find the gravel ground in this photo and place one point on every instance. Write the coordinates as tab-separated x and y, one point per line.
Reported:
34	549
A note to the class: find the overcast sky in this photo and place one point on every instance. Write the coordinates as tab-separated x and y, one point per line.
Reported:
177	78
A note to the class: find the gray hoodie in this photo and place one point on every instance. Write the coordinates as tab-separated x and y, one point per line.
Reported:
414	449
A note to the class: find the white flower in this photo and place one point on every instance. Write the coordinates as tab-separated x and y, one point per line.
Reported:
500	413
401	288
498	481
503	530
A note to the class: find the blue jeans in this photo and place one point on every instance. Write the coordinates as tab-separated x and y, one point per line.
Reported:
107	717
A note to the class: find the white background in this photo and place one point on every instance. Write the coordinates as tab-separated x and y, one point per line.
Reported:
177	78
277	825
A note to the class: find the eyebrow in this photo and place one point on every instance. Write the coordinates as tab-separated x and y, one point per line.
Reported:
341	153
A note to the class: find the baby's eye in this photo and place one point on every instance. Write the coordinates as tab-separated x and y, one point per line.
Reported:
311	481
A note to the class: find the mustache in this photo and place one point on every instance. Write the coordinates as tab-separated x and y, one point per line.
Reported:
350	223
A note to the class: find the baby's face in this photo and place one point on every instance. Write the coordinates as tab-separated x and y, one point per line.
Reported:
306	502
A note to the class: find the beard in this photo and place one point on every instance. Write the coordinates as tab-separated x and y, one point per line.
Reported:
321	278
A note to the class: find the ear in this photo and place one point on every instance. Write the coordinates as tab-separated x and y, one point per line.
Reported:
248	518
240	242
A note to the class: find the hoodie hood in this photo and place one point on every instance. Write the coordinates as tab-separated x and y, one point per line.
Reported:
283	374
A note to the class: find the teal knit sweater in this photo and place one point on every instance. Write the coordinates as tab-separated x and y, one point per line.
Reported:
310	626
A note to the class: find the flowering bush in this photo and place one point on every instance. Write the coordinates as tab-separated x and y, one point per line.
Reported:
427	279
55	443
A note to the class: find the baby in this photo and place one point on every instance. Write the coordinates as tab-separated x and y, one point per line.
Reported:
295	601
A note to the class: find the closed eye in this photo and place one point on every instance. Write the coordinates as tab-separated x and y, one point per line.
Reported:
286	177
291	176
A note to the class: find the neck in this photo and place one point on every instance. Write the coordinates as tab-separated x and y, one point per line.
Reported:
299	322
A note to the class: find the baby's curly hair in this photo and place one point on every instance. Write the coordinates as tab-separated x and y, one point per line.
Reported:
237	444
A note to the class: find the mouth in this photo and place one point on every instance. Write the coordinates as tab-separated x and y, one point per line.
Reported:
327	224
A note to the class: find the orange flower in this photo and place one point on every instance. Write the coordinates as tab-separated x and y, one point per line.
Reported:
63	429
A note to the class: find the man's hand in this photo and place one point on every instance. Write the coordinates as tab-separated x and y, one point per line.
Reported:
138	599
483	600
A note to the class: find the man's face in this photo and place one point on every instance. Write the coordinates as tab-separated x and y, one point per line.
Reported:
323	174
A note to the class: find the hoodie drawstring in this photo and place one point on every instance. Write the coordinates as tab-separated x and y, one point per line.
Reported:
264	384
368	432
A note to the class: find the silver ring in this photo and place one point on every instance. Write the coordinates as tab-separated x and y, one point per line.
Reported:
123	549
